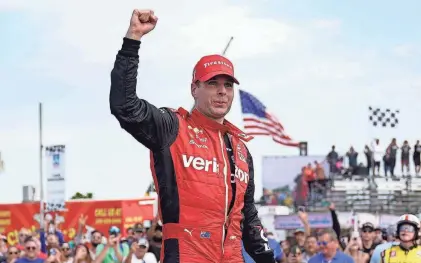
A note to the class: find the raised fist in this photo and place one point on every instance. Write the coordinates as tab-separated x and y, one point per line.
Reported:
141	23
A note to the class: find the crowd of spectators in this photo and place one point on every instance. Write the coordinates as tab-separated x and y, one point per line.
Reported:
306	245
377	156
136	245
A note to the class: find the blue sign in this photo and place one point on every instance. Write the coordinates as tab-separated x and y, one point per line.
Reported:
56	160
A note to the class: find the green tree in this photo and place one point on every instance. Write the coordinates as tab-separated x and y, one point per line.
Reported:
79	195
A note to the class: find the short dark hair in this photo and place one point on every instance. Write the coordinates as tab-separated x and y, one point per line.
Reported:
29	239
331	234
311	236
96	231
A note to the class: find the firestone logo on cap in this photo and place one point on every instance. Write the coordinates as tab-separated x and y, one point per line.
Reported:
208	64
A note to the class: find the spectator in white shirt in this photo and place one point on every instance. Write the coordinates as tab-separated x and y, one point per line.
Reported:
378	153
138	253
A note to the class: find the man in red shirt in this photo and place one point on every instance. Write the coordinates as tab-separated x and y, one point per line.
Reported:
202	170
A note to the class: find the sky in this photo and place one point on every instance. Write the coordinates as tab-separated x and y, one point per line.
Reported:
316	65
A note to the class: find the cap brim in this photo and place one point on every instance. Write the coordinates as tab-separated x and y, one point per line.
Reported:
216	73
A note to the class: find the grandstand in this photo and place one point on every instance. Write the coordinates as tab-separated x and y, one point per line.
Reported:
381	196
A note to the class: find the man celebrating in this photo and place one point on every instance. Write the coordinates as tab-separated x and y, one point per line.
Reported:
201	167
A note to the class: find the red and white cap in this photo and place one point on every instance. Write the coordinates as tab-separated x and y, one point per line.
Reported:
211	66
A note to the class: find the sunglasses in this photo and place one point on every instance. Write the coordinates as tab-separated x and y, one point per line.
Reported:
65	248
322	243
407	228
14	253
31	248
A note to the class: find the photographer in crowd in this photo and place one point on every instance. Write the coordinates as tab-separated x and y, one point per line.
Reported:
139	253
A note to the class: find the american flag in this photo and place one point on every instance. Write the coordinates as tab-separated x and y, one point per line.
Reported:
257	121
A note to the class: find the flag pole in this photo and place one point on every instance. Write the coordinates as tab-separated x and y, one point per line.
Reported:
227	46
41	177
223	54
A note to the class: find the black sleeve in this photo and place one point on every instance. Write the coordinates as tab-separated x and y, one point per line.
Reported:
335	223
255	243
155	128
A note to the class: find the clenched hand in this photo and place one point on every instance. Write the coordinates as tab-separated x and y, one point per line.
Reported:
141	23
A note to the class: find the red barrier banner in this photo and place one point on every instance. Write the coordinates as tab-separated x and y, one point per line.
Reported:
101	215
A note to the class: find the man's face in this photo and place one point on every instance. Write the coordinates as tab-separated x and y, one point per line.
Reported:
367	234
13	252
130	232
23	234
2	243
65	249
406	232
214	97
96	238
141	251
30	249
327	245
300	237
285	246
295	257
52	240
311	245
139	233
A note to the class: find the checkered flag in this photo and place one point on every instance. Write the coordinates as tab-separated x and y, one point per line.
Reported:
386	118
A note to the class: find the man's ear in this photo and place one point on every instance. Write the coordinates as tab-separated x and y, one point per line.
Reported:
194	90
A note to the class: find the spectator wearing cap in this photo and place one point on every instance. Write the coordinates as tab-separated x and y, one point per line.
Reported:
329	250
378	238
138	231
113	251
139	253
368	236
301	234
392	240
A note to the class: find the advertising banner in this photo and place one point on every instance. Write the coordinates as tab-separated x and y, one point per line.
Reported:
387	220
281	176
101	215
56	177
316	220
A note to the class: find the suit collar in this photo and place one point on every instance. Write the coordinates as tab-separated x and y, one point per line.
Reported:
205	122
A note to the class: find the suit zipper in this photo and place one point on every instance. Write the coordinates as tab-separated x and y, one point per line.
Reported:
226	189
